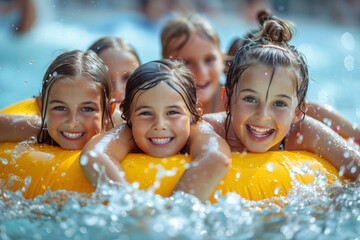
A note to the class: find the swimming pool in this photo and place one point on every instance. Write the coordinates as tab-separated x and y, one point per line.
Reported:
311	212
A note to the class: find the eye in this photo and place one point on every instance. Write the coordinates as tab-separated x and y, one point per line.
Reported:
210	59
173	112
59	108
145	113
188	63
87	109
249	99
280	104
125	77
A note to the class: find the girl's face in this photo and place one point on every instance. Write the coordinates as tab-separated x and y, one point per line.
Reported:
205	61
74	112
262	114
160	121
121	65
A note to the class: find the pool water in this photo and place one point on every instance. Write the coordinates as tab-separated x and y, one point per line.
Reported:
314	211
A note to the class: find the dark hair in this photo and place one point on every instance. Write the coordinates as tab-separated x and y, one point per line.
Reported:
113	42
186	25
269	46
73	65
172	72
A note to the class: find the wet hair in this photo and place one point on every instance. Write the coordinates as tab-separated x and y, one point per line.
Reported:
269	46
235	45
74	65
172	72
115	43
184	26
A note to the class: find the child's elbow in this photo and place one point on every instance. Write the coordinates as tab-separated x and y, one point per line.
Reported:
221	160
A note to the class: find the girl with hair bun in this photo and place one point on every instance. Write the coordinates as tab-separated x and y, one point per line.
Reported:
264	98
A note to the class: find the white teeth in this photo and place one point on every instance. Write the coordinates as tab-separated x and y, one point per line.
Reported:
72	135
260	129
160	140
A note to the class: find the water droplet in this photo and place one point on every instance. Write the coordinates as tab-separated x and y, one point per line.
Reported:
353	169
348	41
83	160
25	82
31	62
237	175
349	63
342	171
270	167
93	153
346	155
277	190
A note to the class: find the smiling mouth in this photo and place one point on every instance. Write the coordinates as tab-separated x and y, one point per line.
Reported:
72	136
259	132
161	141
202	87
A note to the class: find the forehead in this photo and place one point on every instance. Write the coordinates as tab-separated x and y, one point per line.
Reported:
161	93
195	45
259	77
77	88
114	56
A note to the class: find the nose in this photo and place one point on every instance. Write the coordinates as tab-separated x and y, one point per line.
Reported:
201	70
262	112
73	119
159	124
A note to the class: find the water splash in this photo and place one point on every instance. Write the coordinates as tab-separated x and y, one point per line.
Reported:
122	211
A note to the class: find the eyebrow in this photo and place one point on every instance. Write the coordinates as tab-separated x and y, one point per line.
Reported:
62	102
142	107
279	95
148	107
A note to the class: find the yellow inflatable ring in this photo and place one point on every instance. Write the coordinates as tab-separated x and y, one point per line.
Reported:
253	176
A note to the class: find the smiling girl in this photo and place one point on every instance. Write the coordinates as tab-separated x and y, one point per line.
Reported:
161	121
265	101
73	101
192	39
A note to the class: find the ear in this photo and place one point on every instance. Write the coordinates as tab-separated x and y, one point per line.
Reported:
38	103
224	97
298	116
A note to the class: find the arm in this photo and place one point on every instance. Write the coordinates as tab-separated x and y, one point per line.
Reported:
212	156
341	125
15	128
107	150
318	138
28	15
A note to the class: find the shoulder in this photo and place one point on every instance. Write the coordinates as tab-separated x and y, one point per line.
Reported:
217	121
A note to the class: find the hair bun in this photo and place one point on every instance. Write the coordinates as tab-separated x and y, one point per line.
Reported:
278	31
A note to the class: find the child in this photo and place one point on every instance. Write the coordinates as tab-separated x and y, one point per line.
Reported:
194	40
161	120
265	97
121	59
325	114
74	103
